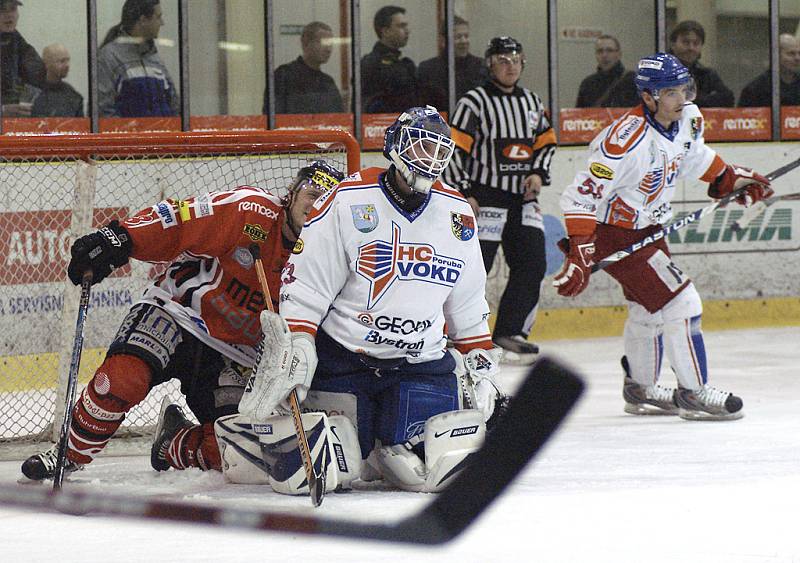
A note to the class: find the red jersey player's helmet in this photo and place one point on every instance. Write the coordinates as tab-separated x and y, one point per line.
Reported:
661	71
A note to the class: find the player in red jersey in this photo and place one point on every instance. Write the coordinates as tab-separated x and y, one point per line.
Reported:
197	322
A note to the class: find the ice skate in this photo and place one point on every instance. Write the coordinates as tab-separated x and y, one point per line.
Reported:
708	403
517	350
170	420
646	399
43	465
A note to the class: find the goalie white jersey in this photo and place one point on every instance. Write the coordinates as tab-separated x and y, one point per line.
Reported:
633	166
383	282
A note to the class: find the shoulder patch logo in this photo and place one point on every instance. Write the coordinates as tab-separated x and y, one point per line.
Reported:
256	232
601	171
462	225
365	217
298	247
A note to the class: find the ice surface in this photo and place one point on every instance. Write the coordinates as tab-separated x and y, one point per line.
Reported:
609	487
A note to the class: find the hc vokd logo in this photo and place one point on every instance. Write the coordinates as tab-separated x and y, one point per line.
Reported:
383	262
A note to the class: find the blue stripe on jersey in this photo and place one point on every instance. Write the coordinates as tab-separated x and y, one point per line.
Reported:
346	189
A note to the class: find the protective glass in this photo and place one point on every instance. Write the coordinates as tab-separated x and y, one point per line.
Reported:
685	92
424	151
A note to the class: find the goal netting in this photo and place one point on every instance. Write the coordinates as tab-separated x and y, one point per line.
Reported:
57	188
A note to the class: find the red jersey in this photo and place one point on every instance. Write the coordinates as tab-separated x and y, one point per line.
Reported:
210	285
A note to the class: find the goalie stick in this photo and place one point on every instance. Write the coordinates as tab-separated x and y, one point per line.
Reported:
540	405
693	217
72	380
316	483
755	210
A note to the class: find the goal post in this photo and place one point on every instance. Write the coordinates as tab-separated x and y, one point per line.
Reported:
56	188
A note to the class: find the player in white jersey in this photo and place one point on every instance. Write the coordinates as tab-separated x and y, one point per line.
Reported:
624	196
389	261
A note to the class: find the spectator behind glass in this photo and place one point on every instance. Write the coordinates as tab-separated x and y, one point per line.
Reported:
686	43
758	93
388	80
610	86
20	64
57	98
300	86
132	81
470	70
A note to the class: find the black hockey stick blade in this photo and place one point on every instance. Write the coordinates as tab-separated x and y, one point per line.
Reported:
72	379
541	404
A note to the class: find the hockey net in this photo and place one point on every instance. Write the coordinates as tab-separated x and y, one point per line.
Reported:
57	188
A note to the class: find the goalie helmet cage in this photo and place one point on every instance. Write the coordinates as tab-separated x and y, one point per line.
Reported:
55	188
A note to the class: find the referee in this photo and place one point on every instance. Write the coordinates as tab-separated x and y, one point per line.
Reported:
504	146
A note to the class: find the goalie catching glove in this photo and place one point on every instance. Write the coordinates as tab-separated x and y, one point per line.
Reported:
476	372
574	276
285	362
101	252
756	187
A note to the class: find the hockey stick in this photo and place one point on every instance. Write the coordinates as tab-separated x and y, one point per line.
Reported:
693	217
540	405
316	483
72	380
755	210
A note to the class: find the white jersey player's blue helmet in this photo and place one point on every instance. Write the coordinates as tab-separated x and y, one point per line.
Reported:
418	143
661	71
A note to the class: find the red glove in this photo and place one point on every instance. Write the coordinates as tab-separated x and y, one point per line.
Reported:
757	187
574	276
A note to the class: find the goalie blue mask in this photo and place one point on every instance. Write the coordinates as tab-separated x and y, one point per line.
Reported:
418	143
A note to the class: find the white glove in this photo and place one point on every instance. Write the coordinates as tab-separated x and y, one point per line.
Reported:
286	361
476	372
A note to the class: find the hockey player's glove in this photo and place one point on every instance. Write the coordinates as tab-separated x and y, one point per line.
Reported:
757	187
101	251
574	276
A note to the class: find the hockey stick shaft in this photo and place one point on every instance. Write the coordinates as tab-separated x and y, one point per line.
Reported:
72	380
539	406
760	206
316	485
693	217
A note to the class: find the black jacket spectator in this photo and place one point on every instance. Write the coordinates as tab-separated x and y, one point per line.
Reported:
57	100
302	89
389	81
20	65
758	92
711	91
611	88
470	73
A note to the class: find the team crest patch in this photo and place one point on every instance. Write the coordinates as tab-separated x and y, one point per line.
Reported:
463	226
365	217
697	126
243	257
298	247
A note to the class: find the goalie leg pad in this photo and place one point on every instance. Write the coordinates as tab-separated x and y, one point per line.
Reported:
240	450
333	445
450	438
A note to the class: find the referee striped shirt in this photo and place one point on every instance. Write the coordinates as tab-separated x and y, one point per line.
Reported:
500	140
